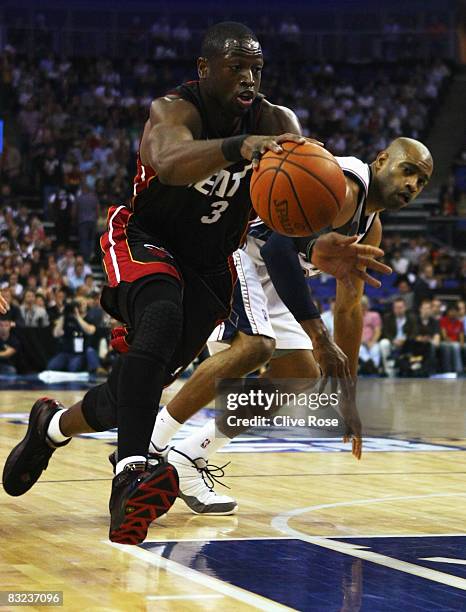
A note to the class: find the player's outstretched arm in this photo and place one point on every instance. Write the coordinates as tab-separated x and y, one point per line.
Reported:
348	335
170	144
282	260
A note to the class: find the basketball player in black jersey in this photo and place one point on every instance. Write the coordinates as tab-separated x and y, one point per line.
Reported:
167	259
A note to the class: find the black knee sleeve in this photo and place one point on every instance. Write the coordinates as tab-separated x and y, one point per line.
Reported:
99	405
99	408
158	330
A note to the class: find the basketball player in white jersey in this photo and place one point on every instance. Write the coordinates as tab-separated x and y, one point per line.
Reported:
277	319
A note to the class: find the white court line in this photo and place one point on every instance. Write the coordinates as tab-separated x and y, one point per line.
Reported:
193	596
205	580
445	560
221	539
280	523
400	535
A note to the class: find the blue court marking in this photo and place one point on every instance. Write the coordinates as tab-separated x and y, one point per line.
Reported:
416	548
305	576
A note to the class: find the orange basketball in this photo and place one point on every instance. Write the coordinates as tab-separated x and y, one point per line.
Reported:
299	191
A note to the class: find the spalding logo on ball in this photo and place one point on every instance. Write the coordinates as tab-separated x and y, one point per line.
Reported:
299	191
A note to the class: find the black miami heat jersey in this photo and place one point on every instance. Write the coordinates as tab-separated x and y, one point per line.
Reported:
203	223
359	224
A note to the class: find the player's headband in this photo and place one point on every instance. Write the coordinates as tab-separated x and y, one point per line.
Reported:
243	45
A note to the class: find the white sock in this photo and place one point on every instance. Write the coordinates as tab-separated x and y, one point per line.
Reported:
203	443
53	431
120	466
164	429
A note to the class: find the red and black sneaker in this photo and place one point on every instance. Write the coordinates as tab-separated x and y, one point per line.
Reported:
31	456
140	494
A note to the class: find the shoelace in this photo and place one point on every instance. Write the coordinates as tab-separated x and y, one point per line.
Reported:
210	473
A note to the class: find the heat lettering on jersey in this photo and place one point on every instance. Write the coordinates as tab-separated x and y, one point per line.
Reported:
223	184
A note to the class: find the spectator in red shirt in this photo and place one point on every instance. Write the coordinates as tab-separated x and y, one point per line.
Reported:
452	344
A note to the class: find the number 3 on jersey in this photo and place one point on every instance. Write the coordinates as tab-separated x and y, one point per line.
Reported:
217	209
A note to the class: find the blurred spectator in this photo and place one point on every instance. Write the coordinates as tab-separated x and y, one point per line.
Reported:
50	176
66	261
10	164
33	315
89	287
399	263
15	286
437	308
14	314
428	334
76	276
61	207
87	210
424	285
452	330
399	325
404	291
57	305
9	345
370	354
74	335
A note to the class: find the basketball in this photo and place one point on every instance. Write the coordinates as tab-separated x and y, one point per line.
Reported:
299	191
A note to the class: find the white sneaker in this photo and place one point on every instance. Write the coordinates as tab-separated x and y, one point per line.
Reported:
197	485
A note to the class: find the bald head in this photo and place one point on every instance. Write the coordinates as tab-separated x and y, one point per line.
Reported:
400	173
408	147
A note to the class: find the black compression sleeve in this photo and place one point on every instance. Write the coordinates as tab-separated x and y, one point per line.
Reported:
282	261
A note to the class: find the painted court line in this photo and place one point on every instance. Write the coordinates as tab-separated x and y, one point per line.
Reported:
251	599
220	539
445	560
174	597
400	535
280	523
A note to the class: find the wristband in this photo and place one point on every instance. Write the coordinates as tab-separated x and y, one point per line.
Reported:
231	147
310	245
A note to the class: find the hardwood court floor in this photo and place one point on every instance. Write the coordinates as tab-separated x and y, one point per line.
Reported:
56	536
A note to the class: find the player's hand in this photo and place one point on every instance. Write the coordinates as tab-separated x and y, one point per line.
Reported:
254	147
341	257
349	412
4	306
331	359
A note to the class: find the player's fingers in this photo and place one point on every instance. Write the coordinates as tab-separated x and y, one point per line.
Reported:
291	138
357	447
367	278
256	158
322	384
344	241
368	250
314	141
373	264
271	145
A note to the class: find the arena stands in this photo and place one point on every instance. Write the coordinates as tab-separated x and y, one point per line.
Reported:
72	130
